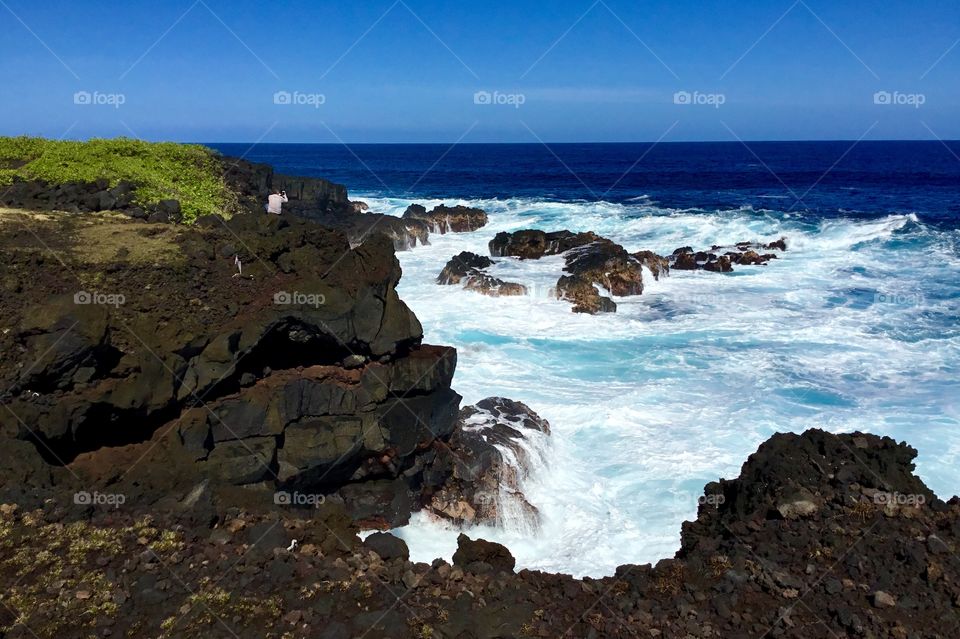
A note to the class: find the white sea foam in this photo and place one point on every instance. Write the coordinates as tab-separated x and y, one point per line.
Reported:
854	328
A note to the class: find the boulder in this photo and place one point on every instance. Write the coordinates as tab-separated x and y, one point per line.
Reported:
388	546
480	555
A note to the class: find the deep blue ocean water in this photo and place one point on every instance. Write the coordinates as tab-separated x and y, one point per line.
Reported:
855	327
823	178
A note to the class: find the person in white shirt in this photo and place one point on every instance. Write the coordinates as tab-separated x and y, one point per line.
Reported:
275	201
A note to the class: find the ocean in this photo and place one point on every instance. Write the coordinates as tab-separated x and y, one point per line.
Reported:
856	327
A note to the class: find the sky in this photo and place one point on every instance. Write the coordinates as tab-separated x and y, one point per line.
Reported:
491	71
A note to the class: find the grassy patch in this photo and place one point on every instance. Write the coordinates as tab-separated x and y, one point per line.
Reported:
189	173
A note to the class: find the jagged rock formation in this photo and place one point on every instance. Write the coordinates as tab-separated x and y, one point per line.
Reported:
453	219
83	197
175	363
468	268
489	456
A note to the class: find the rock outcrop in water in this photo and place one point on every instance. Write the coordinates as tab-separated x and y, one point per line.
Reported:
591	262
490	455
686	259
601	263
534	244
469	269
448	219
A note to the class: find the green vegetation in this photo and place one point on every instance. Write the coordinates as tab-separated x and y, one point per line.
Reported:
189	173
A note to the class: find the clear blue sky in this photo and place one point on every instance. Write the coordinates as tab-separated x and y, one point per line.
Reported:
407	71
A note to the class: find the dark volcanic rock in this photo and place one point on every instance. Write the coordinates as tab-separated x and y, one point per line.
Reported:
443	219
534	244
657	264
862	564
463	265
602	263
685	259
387	546
468	268
481	478
591	261
233	379
321	201
477	555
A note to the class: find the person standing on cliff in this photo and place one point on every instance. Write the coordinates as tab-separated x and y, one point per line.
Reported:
275	201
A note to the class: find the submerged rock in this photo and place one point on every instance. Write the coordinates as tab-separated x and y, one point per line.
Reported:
590	261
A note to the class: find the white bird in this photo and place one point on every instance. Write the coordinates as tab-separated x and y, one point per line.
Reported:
239	265
293	546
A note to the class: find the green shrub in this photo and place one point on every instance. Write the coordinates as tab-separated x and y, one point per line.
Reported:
189	173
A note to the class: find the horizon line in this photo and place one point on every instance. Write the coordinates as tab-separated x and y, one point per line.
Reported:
799	141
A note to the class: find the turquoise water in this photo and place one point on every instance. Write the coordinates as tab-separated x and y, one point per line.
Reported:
855	328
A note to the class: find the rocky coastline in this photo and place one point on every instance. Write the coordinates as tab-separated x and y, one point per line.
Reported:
201	419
